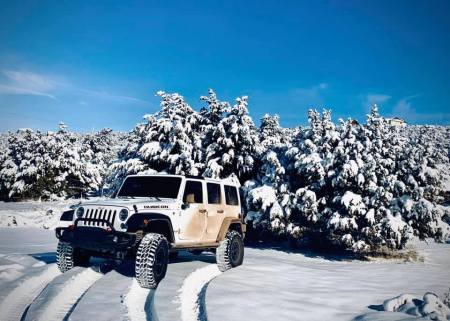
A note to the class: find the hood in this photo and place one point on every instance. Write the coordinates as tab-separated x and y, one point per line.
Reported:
142	203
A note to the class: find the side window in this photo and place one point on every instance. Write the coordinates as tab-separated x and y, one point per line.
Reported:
231	195
193	192
213	193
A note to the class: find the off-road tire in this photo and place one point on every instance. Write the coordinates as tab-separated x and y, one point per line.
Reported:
68	256
230	252
151	260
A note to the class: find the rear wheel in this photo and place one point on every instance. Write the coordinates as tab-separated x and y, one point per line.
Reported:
230	252
151	260
68	256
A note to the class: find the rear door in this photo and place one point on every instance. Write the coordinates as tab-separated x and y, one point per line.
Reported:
193	218
232	204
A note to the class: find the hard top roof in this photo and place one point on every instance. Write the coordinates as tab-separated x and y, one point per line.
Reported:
208	179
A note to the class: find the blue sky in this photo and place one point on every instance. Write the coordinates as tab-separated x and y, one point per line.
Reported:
100	64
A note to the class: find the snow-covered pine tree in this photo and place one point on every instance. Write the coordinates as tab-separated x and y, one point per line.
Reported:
271	134
4	152
269	187
310	164
100	149
169	141
235	147
212	113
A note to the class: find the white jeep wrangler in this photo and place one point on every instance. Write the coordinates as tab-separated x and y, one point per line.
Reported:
150	219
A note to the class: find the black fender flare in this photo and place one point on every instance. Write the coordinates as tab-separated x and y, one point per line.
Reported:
136	222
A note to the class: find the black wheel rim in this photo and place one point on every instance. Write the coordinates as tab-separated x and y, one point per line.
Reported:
160	262
235	251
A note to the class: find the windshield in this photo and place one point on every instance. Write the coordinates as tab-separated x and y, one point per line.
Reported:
150	186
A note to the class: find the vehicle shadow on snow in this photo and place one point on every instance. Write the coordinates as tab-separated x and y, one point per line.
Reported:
376	307
127	267
185	256
46	257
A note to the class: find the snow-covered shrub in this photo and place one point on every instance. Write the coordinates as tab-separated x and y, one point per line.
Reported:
358	186
47	165
446	298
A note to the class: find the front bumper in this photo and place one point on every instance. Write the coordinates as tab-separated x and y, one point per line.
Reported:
95	238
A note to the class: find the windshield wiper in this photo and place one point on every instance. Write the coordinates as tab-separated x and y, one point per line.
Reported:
155	197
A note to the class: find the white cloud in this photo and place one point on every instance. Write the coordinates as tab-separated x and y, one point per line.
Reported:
403	107
15	82
368	100
12	90
30	80
406	110
311	96
108	96
26	83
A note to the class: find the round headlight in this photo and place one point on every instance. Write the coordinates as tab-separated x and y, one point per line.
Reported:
80	212
123	214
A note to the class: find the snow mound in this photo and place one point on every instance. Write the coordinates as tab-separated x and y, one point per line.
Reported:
135	301
14	305
191	292
63	302
10	272
430	307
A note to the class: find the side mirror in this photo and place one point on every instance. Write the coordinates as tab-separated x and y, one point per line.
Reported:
184	206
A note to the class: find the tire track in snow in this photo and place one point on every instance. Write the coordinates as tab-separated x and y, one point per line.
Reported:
192	293
62	303
14	306
140	303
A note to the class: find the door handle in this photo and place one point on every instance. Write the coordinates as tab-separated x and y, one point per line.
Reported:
202	211
220	211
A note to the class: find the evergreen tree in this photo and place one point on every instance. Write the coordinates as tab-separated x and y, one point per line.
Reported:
235	147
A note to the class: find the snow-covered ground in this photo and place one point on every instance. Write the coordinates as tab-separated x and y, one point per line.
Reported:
33	213
274	285
271	285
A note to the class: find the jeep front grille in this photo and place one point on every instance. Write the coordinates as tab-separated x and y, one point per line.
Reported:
95	215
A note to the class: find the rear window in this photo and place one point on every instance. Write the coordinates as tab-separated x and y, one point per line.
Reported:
193	193
213	193
231	195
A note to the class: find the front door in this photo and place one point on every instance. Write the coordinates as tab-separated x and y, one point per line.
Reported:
193	218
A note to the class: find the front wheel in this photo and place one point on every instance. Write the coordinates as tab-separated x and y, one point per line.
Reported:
151	260
230	252
68	256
